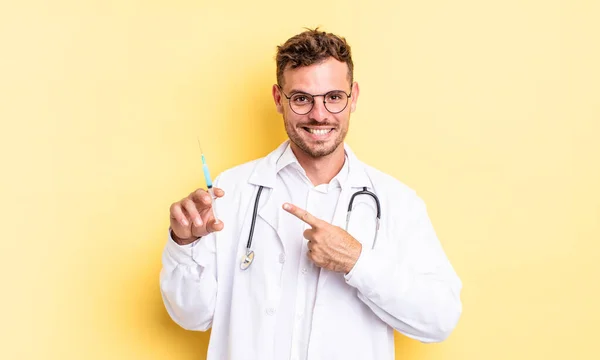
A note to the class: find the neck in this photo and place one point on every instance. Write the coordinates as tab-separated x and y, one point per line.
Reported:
322	169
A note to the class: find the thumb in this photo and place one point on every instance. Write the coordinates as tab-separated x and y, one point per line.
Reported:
213	226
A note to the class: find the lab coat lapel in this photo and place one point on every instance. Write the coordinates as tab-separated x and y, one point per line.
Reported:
270	212
272	198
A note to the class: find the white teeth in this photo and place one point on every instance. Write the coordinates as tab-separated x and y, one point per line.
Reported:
319	131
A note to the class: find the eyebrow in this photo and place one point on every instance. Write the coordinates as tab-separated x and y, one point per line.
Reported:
297	91
293	91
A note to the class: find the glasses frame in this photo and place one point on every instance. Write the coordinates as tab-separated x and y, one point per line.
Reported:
313	103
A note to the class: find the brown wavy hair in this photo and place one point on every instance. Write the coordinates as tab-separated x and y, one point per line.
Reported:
311	47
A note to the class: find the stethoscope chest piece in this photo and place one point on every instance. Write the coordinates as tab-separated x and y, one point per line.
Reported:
247	259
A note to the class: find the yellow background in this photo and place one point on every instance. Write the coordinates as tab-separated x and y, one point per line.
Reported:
489	109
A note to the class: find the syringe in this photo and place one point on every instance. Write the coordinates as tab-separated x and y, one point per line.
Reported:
208	182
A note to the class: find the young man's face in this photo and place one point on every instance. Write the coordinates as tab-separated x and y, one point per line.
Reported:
319	132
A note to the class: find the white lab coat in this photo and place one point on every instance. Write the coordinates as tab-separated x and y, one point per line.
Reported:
405	283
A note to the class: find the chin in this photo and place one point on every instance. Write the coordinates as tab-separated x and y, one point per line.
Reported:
317	150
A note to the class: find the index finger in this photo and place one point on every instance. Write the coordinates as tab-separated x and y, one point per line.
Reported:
302	214
201	196
218	192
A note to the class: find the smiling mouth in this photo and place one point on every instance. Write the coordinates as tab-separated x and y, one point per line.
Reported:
319	132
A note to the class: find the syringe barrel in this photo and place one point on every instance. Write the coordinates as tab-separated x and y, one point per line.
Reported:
207	176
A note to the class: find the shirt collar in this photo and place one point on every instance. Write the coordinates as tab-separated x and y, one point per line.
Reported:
265	171
288	158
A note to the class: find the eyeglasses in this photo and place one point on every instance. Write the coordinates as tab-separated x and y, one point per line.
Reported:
335	101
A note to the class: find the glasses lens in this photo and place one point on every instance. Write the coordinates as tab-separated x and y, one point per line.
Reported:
301	103
336	101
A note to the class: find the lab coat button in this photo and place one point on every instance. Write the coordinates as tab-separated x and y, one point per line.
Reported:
282	258
270	311
304	271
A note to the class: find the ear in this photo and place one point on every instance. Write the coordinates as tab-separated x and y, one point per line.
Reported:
277	98
355	92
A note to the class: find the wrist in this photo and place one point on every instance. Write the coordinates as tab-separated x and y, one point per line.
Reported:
354	258
181	241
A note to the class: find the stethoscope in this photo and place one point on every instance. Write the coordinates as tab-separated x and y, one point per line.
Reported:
249	257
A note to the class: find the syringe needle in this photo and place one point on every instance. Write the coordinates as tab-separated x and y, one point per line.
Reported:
200	146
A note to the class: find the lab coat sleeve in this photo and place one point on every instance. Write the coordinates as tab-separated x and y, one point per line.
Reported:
410	284
188	282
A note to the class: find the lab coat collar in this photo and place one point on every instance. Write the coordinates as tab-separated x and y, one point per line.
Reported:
265	172
287	158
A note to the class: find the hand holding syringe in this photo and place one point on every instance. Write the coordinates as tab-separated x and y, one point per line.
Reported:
194	216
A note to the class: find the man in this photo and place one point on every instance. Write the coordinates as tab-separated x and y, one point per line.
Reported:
283	273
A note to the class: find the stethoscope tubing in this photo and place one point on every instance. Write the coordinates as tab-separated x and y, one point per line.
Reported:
256	200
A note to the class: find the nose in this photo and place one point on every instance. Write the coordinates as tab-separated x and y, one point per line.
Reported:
318	112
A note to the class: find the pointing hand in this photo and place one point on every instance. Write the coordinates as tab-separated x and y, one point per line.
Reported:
329	246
